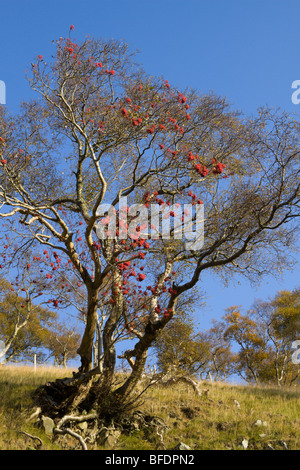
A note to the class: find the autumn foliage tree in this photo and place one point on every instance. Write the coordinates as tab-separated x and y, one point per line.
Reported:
185	350
176	347
101	130
243	331
264	338
279	319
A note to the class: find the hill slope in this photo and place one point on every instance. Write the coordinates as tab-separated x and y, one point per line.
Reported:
223	417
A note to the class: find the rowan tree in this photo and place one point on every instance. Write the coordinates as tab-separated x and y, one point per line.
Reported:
101	130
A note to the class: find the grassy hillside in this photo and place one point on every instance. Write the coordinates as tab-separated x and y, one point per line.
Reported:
223	417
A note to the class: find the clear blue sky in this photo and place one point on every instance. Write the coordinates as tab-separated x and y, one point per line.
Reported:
247	51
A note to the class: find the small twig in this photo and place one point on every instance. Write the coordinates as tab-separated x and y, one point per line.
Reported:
40	442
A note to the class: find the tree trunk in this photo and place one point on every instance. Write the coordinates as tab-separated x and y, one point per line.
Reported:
64	361
108	339
140	353
86	348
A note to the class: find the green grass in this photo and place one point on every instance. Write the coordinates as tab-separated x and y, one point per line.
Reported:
212	421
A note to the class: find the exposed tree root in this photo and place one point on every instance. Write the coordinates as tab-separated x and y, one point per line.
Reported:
35	414
72	401
76	419
55	399
73	434
97	431
59	429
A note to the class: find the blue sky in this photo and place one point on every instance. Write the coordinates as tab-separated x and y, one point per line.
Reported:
247	51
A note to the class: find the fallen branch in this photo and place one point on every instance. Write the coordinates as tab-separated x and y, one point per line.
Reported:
171	380
188	381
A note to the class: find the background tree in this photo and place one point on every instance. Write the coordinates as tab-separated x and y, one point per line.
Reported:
264	337
101	130
63	343
24	325
185	349
175	348
222	359
244	331
280	321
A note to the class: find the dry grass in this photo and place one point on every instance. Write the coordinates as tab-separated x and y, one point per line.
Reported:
226	414
213	421
16	386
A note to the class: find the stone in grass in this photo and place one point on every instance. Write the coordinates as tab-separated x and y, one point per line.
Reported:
83	426
259	422
245	443
112	438
284	444
109	438
48	424
182	446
